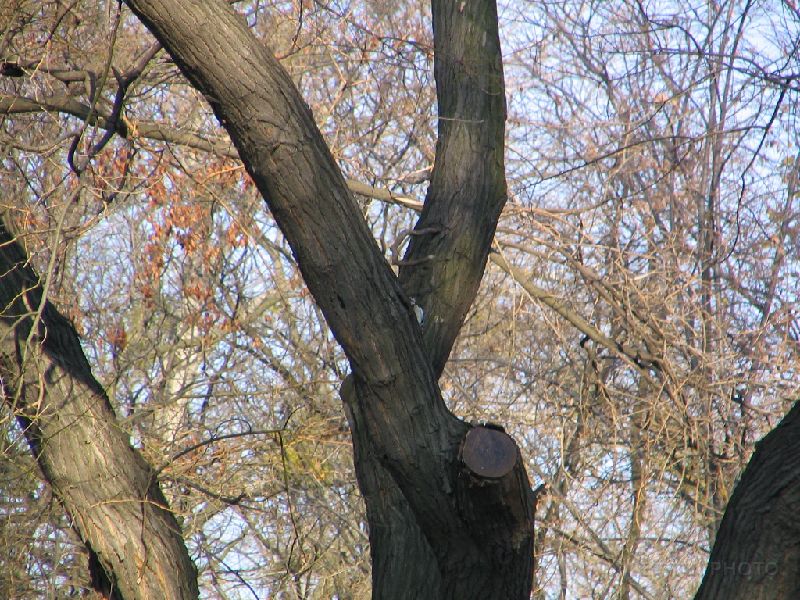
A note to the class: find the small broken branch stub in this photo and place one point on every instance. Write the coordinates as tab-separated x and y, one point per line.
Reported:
488	452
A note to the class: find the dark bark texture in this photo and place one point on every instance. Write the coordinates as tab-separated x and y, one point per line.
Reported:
111	494
757	549
432	534
447	253
441	271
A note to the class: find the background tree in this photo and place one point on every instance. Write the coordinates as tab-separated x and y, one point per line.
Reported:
622	117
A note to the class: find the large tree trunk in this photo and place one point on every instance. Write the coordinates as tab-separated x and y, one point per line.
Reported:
443	492
757	549
111	494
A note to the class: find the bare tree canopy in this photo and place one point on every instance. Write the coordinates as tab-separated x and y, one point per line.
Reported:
458	300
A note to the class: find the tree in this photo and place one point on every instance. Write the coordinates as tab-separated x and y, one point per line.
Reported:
479	535
408	443
657	343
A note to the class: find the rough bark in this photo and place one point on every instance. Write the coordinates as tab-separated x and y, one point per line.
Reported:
404	564
444	264
396	404
447	252
111	494
757	547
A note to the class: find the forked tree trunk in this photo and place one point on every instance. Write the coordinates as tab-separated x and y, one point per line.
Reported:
450	507
109	491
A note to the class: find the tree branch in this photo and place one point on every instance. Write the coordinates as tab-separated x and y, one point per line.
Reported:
132	130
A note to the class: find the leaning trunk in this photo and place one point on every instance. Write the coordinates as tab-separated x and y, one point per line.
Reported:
111	494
